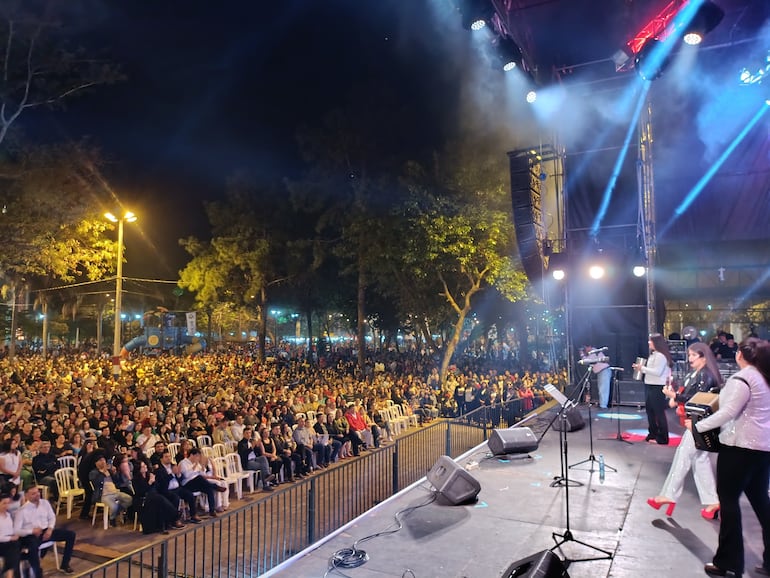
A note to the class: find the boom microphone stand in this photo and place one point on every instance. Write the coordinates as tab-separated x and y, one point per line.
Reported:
563	478
584	381
567	536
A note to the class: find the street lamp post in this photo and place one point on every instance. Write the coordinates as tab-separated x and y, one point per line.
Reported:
129	217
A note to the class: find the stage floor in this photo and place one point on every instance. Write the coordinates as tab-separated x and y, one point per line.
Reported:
518	511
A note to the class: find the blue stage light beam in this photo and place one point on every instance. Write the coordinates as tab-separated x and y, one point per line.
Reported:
610	188
706	178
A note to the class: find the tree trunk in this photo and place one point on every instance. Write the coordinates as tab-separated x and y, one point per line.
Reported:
209	330
361	302
45	329
309	315
462	311
261	314
12	344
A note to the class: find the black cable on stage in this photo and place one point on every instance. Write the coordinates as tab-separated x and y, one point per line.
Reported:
348	558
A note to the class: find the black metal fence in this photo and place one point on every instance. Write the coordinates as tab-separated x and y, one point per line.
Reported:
252	540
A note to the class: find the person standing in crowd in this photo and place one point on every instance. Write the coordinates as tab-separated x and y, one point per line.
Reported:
656	372
743	464
34	523
703	377
600	367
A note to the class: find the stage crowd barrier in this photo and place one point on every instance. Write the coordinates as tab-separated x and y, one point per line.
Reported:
253	539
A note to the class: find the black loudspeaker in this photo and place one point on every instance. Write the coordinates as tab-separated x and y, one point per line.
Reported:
518	440
451	481
544	564
631	392
574	420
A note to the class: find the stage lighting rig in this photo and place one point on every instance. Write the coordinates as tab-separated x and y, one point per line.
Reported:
476	14
708	17
509	54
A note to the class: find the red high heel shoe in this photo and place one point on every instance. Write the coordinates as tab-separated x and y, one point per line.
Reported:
656	504
710	514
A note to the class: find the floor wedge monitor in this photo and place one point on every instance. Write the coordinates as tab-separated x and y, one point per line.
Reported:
517	440
452	482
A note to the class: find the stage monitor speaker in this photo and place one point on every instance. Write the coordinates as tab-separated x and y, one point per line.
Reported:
453	483
631	392
517	440
574	420
544	564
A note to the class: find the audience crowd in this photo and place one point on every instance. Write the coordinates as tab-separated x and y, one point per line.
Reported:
134	435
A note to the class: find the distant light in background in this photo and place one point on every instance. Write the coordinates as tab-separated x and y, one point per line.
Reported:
639	270
757	73
558	274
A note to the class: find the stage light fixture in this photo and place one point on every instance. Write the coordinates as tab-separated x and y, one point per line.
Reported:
652	60
708	17
509	54
639	270
531	96
596	271
476	14
557	265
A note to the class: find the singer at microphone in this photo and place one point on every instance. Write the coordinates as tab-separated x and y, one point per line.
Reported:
601	369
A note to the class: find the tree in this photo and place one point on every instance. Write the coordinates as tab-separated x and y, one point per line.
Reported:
39	68
460	237
244	257
52	232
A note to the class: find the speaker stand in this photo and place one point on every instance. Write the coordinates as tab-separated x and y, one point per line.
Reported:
567	536
616	400
591	459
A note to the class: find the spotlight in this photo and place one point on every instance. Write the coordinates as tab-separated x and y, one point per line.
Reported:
708	16
596	271
652	60
557	265
531	96
639	270
476	14
509	54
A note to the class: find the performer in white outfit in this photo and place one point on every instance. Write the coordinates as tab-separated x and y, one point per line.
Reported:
705	376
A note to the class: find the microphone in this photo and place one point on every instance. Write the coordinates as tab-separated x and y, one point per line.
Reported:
618	368
595	351
588	361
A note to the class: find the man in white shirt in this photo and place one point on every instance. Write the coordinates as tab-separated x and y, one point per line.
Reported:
194	481
34	524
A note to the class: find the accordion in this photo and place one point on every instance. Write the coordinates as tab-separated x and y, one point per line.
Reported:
699	406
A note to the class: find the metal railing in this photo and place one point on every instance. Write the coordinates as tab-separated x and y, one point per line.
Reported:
253	539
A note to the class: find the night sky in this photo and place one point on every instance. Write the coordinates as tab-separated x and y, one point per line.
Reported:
214	88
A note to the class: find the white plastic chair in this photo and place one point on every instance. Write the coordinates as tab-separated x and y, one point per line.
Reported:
67	462
67	484
204	441
219	465
235	469
220	450
43	546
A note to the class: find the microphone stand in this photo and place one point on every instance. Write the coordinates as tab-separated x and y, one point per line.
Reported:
591	459
616	395
562	538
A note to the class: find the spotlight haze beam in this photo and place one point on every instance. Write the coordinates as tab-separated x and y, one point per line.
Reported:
706	178
619	162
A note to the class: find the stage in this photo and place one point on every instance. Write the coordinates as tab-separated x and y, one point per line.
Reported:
518	510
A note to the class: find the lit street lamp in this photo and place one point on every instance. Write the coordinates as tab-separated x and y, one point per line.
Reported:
128	217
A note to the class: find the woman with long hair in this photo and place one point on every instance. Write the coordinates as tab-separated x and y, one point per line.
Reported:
743	465
704	376
10	460
656	372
